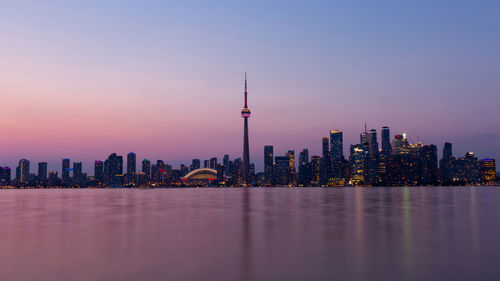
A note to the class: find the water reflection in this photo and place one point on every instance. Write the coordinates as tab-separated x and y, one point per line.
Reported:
251	234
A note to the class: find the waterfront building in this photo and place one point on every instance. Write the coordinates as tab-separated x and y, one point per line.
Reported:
386	141
5	175
467	170
358	160
65	169
213	163
282	170
131	168
429	164
99	171
42	172
487	171
268	163
326	161
23	171
315	170
146	168
290	154
77	173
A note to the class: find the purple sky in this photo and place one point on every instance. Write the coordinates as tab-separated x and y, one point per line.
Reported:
165	80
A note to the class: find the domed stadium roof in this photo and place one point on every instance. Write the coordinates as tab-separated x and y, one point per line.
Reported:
201	174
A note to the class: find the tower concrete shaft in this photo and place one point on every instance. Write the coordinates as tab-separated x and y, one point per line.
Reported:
245	113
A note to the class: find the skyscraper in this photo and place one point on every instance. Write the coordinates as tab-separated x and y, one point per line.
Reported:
77	172
290	154
304	177
282	175
372	140
336	144
326	161
5	174
42	171
213	163
386	141
447	151
113	169
65	171
358	161
336	152
23	171
245	113
268	162
487	171
195	164
315	170
131	168
446	164
99	171
146	168
225	162
429	164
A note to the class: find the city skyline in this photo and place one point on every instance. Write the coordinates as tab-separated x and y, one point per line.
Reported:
395	162
257	157
153	81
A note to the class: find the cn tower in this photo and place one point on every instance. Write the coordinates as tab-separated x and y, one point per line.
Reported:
245	113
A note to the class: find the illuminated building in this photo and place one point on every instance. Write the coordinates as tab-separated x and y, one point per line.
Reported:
487	171
213	163
65	171
99	171
53	179
142	179
5	174
290	154
282	170
467	170
315	170
372	161
131	168
154	174
146	168
206	164
304	168
359	154
336	153
446	165
336	144
268	163
23	171
400	145
113	170
245	113
372	140
225	162
429	165
364	137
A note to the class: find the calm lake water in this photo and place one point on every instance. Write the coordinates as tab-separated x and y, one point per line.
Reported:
439	233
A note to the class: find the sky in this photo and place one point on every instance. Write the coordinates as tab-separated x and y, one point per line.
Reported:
164	79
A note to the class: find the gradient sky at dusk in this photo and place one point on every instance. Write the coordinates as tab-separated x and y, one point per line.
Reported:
165	78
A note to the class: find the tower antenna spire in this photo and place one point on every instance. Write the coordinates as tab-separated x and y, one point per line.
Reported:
246	89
